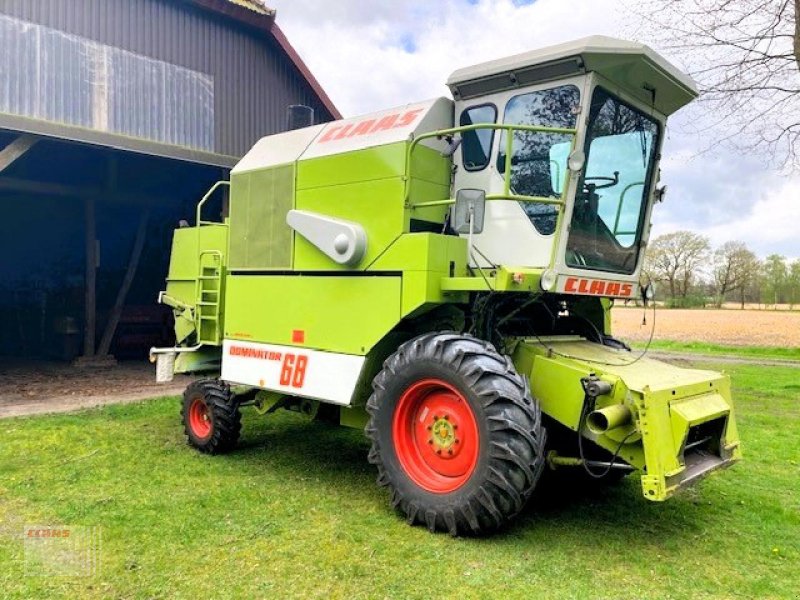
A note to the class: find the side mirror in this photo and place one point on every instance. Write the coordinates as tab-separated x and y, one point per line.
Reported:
470	206
452	145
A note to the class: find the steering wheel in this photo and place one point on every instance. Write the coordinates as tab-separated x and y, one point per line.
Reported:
609	181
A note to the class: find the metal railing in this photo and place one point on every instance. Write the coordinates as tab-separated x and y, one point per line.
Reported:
507	193
205	198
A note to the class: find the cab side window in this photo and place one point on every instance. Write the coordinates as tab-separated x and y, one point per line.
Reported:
476	146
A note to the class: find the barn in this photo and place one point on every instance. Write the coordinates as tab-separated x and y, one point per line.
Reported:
115	117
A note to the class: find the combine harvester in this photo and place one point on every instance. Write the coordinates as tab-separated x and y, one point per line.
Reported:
441	274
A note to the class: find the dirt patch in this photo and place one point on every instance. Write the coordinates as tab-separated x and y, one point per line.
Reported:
725	326
34	387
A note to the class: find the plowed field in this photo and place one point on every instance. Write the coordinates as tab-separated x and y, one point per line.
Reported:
726	326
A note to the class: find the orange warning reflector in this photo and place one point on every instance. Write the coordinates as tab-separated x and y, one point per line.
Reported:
298	336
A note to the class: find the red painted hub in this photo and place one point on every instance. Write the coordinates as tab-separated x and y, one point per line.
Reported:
199	418
435	436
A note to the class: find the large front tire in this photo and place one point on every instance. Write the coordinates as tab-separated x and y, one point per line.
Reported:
455	433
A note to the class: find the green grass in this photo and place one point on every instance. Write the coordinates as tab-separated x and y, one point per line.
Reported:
754	352
295	513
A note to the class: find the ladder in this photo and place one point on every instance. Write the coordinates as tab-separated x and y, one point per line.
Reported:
208	297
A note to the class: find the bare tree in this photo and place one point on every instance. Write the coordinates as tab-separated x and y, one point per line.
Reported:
733	268
675	258
745	56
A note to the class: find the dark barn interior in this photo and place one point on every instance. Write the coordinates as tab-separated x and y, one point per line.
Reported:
116	116
47	194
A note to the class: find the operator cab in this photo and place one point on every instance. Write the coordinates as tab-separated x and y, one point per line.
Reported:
574	196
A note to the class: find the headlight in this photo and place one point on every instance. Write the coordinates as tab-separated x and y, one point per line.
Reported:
548	280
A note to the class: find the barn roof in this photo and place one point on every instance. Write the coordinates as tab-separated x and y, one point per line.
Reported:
256	14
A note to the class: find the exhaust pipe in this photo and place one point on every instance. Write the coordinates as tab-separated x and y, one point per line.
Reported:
605	419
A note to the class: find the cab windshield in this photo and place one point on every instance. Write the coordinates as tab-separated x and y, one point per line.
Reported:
607	220
538	159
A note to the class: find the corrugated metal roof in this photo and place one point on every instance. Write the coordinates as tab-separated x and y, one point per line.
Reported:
256	13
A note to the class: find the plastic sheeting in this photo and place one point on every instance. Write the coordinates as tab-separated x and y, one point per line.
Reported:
50	75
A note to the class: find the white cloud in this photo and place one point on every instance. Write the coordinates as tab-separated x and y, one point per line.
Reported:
371	56
357	53
771	223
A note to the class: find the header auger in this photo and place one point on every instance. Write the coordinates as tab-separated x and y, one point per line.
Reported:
441	274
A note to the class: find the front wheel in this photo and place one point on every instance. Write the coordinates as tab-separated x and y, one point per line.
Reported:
455	434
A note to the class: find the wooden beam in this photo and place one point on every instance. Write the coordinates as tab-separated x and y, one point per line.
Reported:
90	312
16	149
130	273
13	184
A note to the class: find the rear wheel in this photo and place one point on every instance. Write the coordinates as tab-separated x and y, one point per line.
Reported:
455	434
211	418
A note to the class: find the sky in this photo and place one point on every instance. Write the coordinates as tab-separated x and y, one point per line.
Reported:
370	56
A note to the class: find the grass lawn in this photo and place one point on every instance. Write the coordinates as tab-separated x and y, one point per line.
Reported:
754	352
295	513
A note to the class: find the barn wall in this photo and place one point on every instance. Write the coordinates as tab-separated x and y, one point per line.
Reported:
253	80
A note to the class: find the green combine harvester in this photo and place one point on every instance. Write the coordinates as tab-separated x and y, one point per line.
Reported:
441	274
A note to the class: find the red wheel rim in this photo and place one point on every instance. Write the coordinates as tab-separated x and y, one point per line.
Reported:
435	436
199	418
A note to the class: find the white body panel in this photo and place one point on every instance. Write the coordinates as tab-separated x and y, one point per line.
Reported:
297	371
380	128
508	238
366	131
279	149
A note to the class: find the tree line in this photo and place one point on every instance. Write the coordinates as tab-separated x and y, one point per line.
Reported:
689	272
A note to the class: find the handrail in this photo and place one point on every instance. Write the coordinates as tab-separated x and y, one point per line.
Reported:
621	202
200	204
507	194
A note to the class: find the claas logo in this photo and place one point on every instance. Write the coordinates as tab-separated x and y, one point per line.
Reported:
369	126
598	287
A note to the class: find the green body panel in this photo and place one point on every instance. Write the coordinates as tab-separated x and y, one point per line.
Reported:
343	313
367	187
362	202
665	402
259	201
339	314
424	259
184	267
502	279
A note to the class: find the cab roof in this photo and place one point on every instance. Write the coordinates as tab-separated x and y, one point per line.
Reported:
633	66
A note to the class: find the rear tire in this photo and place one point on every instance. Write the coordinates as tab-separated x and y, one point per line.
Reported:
211	418
456	436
